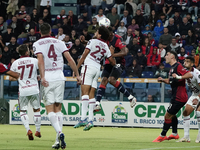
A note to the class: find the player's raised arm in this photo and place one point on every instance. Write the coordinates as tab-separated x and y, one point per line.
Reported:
84	55
160	79
13	76
182	73
123	52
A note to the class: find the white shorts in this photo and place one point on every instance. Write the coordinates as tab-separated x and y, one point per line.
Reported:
193	96
54	93
33	99
90	75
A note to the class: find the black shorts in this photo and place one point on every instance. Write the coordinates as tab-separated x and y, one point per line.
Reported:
175	106
110	71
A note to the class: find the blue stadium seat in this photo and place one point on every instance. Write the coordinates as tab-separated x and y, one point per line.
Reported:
154	86
55	31
147	74
21	40
140	86
8	21
167	87
156	43
188	49
67	73
71	84
166	65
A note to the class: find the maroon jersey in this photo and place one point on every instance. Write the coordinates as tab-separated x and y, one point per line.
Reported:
179	92
3	69
118	45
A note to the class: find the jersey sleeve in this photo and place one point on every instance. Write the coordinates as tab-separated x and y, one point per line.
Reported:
63	48
180	70
13	67
36	49
108	53
3	68
36	64
119	43
197	76
89	45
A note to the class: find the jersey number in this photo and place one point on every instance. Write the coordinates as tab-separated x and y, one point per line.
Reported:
51	53
23	68
98	50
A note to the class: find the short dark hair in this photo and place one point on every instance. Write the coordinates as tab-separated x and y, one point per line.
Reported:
22	49
105	33
190	58
45	29
174	53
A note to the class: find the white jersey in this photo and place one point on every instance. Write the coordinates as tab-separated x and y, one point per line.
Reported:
28	83
98	51
193	83
99	17
52	50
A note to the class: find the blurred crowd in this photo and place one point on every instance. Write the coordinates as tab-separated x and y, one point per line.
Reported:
149	28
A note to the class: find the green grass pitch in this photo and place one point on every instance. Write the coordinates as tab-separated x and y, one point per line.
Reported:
13	137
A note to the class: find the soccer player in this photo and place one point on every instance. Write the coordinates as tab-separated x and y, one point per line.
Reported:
112	73
28	88
95	51
4	70
194	85
179	96
50	53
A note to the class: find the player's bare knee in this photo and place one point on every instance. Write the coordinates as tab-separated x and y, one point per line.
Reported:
22	110
112	80
185	113
104	81
36	110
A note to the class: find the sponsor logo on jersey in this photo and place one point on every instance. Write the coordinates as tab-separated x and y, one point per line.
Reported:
119	114
54	64
27	82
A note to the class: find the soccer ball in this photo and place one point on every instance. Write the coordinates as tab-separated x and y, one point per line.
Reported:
104	22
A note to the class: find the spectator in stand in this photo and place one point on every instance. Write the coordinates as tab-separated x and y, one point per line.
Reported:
82	4
150	98
21	14
16	28
59	19
7	35
60	35
73	36
147	49
165	39
6	56
184	27
13	44
35	16
93	27
191	39
15	55
196	28
147	30
196	58
27	26
46	16
86	34
32	37
179	39
161	51
134	70
126	18
194	4
72	18
152	19
3	5
168	7
12	8
107	5
141	59
127	38
139	19
114	18
189	17
158	5
78	46
152	41
133	26
145	9
67	41
3	26
30	4
80	25
119	5
181	5
172	27
95	4
66	27
86	18
133	47
83	40
131	6
139	36
177	19
121	30
74	54
164	20
153	61
198	48
174	46
161	72
40	22
158	30
1	43
45	4
182	55
100	15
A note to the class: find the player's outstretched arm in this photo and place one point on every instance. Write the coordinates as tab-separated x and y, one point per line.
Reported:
84	55
13	75
185	76
112	61
123	52
160	79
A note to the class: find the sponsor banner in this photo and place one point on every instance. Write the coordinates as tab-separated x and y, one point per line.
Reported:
112	114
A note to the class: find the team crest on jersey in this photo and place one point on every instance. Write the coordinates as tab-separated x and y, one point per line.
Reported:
34	49
199	76
27	82
54	64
